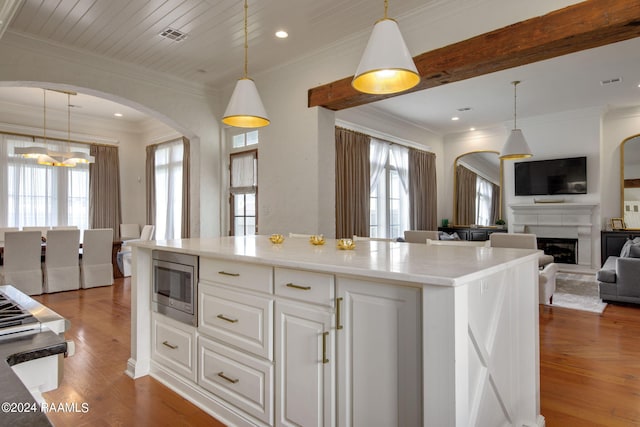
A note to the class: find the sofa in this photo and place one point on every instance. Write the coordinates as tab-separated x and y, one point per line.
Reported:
619	277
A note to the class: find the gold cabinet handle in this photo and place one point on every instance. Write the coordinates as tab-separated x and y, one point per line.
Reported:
224	273
324	347
231	380
171	346
223	317
294	286
338	320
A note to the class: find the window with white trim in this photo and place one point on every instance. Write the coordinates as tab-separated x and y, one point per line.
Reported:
243	182
40	195
168	176
389	198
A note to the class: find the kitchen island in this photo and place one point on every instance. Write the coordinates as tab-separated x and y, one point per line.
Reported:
387	334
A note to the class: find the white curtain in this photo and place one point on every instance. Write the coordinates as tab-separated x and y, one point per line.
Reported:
484	193
40	195
378	154
168	175
400	159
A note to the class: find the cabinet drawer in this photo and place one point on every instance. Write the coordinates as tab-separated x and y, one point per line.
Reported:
241	320
240	379
174	345
316	288
241	274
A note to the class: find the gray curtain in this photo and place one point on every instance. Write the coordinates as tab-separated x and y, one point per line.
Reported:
104	189
466	201
186	198
352	183
150	176
423	191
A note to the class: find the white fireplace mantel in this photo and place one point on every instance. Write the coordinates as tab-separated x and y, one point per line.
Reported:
570	220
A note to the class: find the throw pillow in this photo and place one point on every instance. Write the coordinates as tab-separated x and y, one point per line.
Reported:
446	236
634	250
627	245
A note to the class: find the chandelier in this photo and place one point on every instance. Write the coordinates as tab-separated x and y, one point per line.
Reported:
47	157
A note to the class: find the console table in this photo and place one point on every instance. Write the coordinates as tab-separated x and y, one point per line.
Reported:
473	233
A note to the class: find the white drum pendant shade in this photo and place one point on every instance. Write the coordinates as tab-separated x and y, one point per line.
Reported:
386	65
245	109
516	146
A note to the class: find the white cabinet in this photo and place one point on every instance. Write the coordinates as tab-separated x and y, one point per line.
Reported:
305	365
379	354
174	345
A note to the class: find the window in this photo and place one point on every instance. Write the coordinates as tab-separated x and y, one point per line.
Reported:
168	176
243	171
39	195
389	199
244	139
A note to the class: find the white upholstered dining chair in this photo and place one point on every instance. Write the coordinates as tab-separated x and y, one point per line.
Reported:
4	230
21	266
124	256
96	268
129	231
43	230
62	265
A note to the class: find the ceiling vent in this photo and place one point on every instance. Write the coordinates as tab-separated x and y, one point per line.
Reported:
611	81
173	34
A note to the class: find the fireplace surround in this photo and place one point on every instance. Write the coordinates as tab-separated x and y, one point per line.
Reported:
559	221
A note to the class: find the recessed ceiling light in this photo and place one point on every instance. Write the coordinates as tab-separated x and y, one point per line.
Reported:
282	34
454	118
117	114
472	129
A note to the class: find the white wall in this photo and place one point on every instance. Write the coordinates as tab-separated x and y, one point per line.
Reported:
185	107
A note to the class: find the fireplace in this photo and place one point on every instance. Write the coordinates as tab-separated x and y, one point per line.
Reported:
564	221
564	251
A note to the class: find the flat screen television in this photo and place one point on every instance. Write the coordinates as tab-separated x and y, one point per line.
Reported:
548	177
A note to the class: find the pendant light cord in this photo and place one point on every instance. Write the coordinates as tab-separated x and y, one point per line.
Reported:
44	106
386	6
68	122
515	103
246	41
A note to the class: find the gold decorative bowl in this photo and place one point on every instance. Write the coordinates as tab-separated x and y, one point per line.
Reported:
346	244
276	238
317	239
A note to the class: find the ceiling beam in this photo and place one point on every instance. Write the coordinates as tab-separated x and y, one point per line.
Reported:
578	27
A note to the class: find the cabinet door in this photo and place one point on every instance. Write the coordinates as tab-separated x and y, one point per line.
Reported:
379	354
305	369
477	235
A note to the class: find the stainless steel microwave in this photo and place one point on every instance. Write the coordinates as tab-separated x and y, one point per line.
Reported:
175	285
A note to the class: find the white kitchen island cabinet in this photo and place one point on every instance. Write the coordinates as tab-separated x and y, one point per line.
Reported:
392	334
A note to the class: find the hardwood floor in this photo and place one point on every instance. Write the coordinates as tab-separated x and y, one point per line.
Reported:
589	367
100	327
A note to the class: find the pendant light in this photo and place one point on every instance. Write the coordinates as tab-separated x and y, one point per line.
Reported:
386	65
245	109
47	157
516	146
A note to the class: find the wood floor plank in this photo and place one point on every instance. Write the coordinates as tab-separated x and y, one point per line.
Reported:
100	327
589	367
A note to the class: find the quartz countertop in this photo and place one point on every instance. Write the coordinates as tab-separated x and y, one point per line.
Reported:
407	262
19	349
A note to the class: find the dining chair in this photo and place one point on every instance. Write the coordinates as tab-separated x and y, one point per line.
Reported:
96	268
129	231
4	230
64	227
43	230
124	256
62	265
22	267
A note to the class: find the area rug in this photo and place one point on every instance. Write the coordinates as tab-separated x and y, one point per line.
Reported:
579	292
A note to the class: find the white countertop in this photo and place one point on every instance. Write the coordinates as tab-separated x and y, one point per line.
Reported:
407	262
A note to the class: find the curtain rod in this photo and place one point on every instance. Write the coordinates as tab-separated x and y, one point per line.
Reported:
53	138
391	139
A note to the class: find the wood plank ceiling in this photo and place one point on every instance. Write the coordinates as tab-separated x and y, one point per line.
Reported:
578	27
